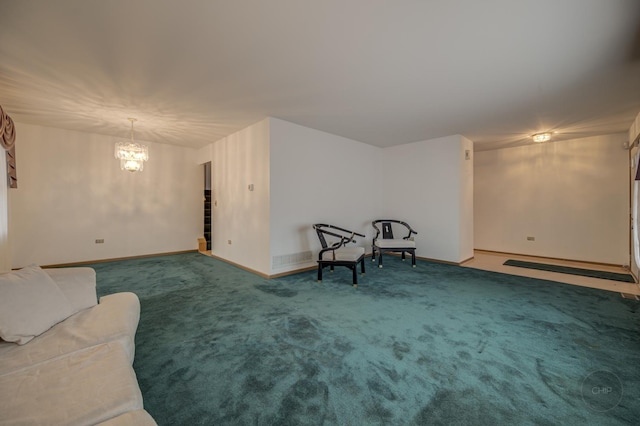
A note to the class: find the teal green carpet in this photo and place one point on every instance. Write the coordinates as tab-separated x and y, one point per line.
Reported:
434	345
605	275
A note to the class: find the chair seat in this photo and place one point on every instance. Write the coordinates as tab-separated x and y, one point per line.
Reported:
347	254
342	256
395	243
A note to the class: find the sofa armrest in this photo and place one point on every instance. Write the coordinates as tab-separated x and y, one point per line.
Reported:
77	284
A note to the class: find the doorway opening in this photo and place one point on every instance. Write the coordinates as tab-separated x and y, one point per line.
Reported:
207	204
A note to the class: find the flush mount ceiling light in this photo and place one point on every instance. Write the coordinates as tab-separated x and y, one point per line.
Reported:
132	155
541	137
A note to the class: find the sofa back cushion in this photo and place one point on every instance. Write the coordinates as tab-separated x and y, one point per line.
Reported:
30	303
78	284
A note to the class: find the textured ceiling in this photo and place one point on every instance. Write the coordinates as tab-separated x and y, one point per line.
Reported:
380	72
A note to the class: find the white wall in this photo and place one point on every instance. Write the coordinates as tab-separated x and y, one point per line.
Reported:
238	214
204	154
303	176
71	192
634	129
5	248
634	134
429	185
465	167
317	177
571	196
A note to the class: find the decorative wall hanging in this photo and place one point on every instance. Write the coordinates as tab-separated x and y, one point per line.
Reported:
8	140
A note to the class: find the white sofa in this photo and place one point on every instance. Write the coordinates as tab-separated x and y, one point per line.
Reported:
77	372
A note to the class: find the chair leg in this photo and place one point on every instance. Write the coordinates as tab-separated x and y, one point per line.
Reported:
373	253
380	260
413	258
319	273
355	275
403	258
362	266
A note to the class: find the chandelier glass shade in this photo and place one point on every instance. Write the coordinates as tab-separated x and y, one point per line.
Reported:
131	154
541	137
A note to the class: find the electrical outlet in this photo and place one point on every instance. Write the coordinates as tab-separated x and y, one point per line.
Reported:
100	241
531	238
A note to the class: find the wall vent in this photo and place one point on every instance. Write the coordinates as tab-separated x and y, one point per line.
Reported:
290	259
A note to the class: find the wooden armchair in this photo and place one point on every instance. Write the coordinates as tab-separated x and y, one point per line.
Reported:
337	253
384	241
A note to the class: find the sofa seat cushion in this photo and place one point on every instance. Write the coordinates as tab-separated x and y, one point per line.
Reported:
30	303
396	243
115	318
348	254
83	388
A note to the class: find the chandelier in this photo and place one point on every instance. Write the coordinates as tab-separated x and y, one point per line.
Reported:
132	155
541	137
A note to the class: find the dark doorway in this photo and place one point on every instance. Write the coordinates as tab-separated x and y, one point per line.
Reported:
207	204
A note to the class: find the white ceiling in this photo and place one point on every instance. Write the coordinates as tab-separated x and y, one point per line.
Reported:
381	72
